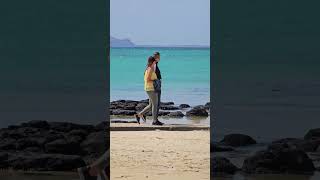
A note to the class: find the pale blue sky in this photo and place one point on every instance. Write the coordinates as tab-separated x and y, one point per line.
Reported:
161	22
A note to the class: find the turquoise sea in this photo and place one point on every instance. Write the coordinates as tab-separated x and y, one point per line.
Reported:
185	74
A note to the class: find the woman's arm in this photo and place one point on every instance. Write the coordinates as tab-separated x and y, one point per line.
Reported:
149	74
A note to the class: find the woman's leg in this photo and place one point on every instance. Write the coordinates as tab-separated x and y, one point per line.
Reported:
147	108
154	100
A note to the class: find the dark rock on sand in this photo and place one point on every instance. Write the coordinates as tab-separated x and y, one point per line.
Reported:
103	126
33	149
4	133
62	146
236	140
141	106
122	112
216	147
129	108
12	127
8	144
168	107
21	132
4	160
36	124
40	145
161	113
166	103
222	165
124	102
28	142
144	101
78	132
197	111
313	134
279	158
183	106
52	135
300	144
177	114
112	106
67	127
95	143
43	162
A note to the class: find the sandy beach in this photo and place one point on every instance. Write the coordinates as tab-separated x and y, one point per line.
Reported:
158	155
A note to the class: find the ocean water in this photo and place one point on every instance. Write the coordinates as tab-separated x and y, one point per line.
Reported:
185	74
266	69
53	62
266	74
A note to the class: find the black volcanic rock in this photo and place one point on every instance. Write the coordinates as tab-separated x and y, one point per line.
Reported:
176	114
144	101
169	107
8	144
141	106
103	126
36	124
221	165
42	162
313	134
198	111
28	142
161	113
95	143
166	103
39	145
279	158
63	146
66	126
4	160
78	132
301	144
122	112
183	106
216	147
236	140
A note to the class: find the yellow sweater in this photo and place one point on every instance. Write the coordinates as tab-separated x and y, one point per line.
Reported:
148	85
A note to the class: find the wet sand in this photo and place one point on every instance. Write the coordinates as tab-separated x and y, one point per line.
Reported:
157	155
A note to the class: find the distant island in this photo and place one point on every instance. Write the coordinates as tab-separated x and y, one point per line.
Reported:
116	42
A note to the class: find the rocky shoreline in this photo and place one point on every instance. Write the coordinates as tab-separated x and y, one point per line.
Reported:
168	109
51	146
283	156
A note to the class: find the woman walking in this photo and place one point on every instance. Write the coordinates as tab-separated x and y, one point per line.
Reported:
149	78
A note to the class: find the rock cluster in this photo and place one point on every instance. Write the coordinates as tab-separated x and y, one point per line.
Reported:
130	107
288	155
42	145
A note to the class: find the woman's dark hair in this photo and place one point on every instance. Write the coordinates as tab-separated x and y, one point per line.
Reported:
151	59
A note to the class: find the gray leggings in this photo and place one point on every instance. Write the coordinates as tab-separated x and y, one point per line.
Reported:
153	103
